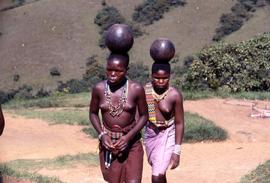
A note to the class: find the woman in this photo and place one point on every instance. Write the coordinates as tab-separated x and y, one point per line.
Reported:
165	128
121	152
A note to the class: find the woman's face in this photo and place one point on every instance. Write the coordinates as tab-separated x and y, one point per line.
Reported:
116	71
161	79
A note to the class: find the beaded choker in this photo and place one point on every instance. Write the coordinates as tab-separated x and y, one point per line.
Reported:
158	97
119	108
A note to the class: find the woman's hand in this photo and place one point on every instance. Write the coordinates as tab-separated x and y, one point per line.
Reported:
107	142
175	160
122	143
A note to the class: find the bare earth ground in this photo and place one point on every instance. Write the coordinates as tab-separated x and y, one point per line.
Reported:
224	162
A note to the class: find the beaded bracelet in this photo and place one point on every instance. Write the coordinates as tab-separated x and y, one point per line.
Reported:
101	134
177	149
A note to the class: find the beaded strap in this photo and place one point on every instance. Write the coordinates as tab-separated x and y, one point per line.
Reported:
150	99
150	103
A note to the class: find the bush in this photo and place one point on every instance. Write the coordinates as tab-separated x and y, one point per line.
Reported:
232	67
259	175
4	97
24	92
93	69
91	132
199	129
108	16
229	23
94	73
16	77
153	10
54	71
138	72
233	21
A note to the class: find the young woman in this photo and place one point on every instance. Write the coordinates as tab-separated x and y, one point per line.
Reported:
121	152
165	128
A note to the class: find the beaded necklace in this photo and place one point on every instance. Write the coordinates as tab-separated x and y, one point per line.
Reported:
119	108
151	98
158	97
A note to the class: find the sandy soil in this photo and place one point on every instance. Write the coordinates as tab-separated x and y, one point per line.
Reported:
223	162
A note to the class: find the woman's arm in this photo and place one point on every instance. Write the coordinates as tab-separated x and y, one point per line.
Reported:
2	121
179	129
179	119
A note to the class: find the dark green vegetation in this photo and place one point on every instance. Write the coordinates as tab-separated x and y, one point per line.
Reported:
25	169
6	171
231	67
199	129
260	175
94	73
108	16
153	10
242	11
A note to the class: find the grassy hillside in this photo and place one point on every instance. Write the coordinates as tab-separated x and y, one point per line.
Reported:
62	34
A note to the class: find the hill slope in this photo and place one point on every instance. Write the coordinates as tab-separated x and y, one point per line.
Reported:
62	34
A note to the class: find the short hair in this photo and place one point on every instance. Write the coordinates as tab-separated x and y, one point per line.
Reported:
124	58
156	66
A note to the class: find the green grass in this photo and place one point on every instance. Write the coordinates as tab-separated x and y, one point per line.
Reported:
56	100
70	116
91	132
24	169
7	171
260	175
196	95
83	99
88	159
199	129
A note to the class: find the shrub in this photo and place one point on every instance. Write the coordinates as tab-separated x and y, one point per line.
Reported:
91	132
3	97
259	175
153	10
199	129
24	92
93	69
16	77
94	73
73	86
54	71
108	16
232	67
229	23
138	72
240	13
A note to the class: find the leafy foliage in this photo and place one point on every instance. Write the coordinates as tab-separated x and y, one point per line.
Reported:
240	12
94	73
108	16
138	72
260	175
199	129
153	10
232	67
54	71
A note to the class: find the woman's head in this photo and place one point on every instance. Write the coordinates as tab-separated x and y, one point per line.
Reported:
117	66
161	75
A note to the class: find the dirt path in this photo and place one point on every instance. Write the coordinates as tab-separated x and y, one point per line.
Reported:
225	162
34	139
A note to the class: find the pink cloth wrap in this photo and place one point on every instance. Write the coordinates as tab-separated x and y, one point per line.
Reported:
159	146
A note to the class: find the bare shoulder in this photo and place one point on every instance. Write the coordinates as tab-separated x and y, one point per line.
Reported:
99	87
176	93
135	86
